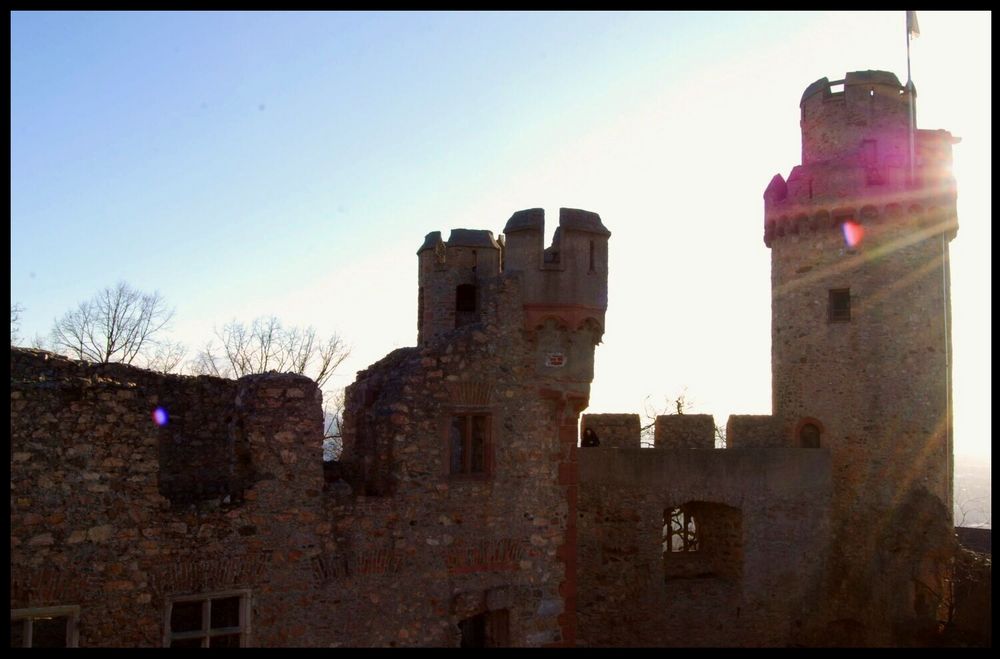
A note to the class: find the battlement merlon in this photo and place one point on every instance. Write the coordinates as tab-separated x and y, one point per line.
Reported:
567	280
468	248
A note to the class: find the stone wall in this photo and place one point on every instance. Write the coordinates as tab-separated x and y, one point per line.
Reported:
91	528
500	540
613	430
403	565
764	543
684	431
755	431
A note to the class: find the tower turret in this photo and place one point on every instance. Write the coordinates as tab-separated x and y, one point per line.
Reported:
568	279
859	320
450	280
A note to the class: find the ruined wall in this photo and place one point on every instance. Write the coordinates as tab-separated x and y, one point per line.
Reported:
90	527
456	544
121	516
613	430
764	537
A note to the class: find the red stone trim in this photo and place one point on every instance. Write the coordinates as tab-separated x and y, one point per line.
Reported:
572	316
567	412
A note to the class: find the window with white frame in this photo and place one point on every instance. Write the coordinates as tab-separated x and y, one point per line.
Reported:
50	627
214	620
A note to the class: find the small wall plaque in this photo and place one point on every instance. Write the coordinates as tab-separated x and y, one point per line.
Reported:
555	359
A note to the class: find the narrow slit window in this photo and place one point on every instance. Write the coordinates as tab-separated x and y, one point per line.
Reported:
592	256
465	304
469	443
869	154
420	309
840	305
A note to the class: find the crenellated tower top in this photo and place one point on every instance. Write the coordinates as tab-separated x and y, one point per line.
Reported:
856	160
566	281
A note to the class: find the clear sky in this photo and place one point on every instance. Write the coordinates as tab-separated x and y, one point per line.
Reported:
290	163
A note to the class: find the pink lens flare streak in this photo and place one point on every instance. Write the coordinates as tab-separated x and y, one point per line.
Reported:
853	233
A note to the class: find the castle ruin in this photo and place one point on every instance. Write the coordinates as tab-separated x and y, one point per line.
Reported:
463	510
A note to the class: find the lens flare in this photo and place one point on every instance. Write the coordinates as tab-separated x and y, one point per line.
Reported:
853	233
160	416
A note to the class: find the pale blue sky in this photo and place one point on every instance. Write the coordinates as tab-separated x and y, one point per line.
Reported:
291	163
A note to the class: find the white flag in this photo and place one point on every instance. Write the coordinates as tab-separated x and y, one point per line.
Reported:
912	27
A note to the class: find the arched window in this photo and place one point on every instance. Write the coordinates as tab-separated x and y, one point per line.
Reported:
809	435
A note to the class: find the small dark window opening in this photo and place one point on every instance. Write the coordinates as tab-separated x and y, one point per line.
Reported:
489	629
469	442
592	256
465	305
840	305
810	188
809	436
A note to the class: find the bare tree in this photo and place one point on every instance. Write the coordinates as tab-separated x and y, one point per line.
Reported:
679	404
240	349
165	357
15	323
264	345
118	324
333	416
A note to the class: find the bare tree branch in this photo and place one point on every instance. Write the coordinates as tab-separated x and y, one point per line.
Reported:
15	323
118	324
166	357
266	345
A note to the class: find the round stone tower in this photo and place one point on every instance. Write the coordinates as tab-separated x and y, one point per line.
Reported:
860	312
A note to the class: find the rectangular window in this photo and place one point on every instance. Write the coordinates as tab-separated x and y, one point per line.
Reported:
469	443
490	629
219	621
840	305
50	627
465	305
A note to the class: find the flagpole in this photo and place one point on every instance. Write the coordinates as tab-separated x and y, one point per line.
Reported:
911	94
